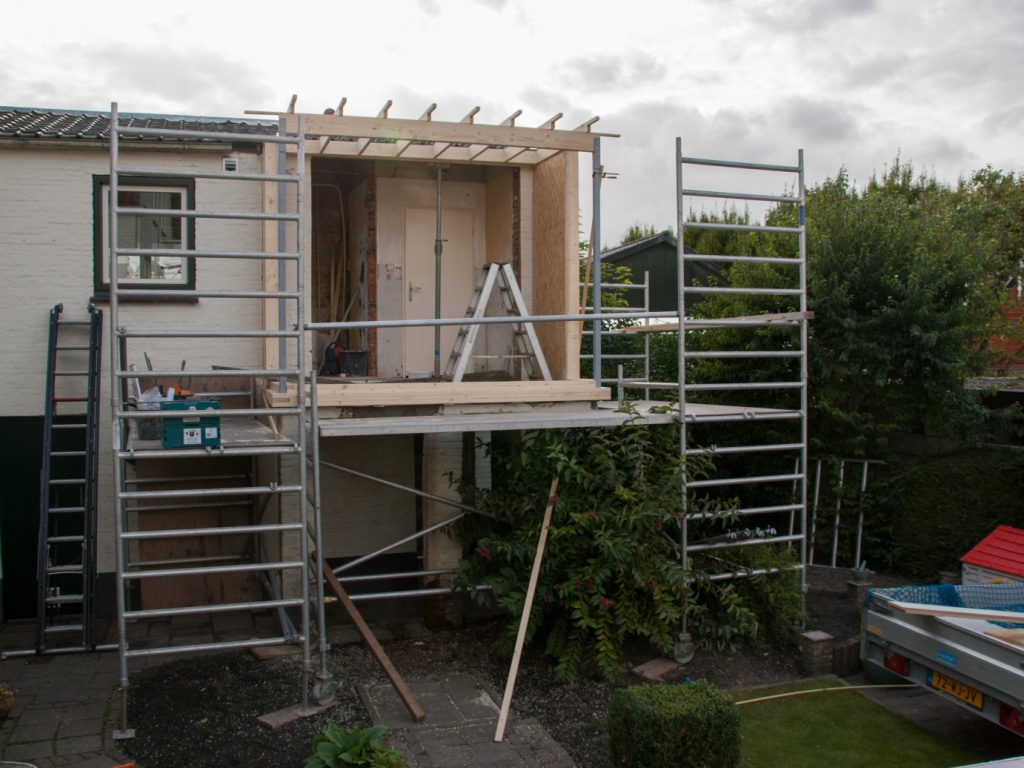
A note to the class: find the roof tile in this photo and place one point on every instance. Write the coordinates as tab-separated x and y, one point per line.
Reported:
59	124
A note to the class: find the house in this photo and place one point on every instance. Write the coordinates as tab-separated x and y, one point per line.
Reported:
656	257
437	262
369	211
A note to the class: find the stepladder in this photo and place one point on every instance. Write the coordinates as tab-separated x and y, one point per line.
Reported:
525	346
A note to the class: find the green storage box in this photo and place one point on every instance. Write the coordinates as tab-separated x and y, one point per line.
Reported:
197	426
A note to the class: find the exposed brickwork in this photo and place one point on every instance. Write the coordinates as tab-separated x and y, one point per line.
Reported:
816	652
846	657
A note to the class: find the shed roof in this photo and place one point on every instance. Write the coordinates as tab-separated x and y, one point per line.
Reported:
1002	550
27	123
636	246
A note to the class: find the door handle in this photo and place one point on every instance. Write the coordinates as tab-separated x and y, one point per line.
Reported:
413	288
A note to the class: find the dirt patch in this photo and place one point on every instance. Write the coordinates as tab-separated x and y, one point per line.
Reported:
201	713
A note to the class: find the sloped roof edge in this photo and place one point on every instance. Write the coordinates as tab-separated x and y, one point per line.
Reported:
622	251
39	123
1002	550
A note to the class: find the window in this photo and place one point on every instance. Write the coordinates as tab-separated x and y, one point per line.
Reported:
162	230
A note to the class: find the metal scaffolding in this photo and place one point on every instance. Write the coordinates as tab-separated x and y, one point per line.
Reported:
157	455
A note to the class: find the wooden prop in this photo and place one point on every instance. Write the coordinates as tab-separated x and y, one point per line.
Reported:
506	702
364	631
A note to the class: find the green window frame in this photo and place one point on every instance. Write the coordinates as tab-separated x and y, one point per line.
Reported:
162	231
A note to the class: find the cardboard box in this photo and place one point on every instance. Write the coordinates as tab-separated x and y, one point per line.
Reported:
197	427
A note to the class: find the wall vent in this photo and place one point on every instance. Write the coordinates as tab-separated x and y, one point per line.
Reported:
230	164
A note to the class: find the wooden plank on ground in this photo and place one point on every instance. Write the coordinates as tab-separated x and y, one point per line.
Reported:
656	669
364	631
274	720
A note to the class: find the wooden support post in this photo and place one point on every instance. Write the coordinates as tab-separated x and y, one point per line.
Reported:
506	701
364	631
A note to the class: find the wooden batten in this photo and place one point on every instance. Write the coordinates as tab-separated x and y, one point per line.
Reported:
375	393
783	318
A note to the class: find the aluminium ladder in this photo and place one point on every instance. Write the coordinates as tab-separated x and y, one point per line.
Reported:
525	345
66	563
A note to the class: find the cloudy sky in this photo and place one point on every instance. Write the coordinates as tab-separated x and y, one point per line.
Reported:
851	82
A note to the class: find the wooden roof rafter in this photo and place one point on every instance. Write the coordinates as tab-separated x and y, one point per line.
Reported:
426	139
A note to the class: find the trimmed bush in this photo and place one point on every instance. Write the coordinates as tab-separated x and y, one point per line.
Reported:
674	726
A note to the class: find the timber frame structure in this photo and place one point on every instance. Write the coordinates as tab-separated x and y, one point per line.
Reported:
315	473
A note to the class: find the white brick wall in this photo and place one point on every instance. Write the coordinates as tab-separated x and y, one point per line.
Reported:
46	243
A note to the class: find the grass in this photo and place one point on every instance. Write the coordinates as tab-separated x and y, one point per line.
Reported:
842	730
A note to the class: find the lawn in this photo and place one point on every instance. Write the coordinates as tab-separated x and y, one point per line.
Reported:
840	729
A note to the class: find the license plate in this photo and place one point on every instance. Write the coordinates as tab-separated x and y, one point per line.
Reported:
955	688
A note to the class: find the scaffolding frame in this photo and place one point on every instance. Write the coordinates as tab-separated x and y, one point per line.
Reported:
798	321
293	334
241	435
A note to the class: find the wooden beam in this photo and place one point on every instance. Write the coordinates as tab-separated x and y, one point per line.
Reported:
447	133
550	123
382	658
511	119
464	393
362	144
404	145
524	621
340	110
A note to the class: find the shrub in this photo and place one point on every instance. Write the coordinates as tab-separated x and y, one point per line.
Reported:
610	569
336	747
674	726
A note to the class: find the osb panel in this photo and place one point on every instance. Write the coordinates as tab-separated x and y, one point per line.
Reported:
555	203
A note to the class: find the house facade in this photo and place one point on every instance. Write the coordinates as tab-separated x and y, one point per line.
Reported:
379	196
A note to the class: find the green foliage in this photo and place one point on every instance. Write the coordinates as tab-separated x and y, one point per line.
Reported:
763	610
620	344
608	573
904	283
336	747
931	510
906	279
610	569
674	726
637	231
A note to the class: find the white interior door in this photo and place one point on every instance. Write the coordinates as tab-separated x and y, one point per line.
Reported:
457	280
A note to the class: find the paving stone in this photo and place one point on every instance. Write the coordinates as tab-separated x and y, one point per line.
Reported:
78	744
28	753
25	733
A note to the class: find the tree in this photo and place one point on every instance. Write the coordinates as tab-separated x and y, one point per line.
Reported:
905	283
637	231
905	277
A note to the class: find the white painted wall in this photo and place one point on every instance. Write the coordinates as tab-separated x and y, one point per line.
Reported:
46	243
394	195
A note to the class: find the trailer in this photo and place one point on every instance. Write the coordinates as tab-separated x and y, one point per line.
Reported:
964	642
